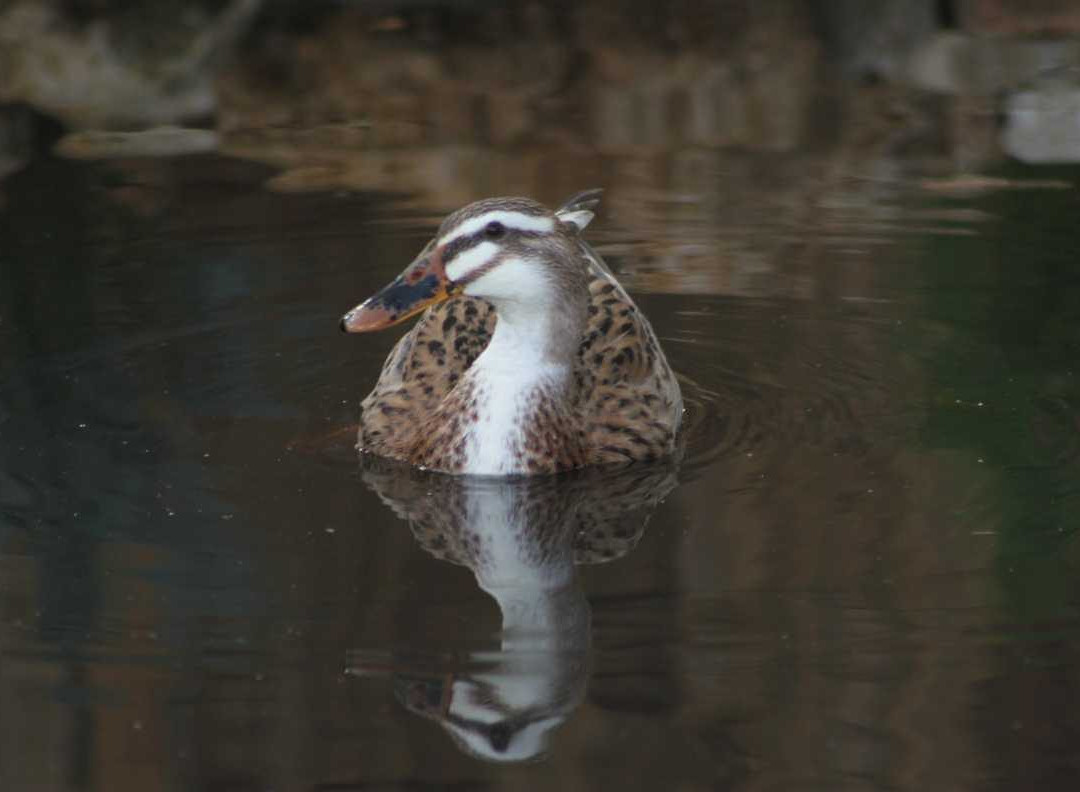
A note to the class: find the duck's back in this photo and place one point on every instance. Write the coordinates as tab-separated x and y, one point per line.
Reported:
626	396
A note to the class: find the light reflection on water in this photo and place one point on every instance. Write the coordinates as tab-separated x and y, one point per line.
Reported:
521	539
864	578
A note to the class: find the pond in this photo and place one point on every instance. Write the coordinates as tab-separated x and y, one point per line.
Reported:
861	573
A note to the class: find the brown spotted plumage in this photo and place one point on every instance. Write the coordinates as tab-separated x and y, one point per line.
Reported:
618	401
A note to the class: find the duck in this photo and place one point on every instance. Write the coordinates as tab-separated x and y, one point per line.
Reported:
529	357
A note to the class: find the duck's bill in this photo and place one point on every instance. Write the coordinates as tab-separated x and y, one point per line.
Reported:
424	283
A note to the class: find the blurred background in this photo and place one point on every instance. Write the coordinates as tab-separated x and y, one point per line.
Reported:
439	102
308	86
853	226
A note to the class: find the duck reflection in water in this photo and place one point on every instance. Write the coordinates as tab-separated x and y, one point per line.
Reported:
522	538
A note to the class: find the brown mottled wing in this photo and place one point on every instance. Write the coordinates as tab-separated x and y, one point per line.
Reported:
628	396
422	368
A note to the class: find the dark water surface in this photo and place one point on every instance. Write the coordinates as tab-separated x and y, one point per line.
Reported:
862	575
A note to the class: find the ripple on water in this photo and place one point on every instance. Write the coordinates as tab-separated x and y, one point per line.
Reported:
760	374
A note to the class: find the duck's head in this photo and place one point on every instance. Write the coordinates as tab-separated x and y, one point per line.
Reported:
506	250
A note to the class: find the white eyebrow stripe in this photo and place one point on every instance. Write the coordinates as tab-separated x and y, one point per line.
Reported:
518	221
468	260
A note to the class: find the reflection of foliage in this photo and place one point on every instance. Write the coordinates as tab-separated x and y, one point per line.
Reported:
1006	379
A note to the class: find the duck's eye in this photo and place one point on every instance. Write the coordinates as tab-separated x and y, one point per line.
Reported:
494	229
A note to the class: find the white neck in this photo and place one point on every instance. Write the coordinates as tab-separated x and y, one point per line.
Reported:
507	381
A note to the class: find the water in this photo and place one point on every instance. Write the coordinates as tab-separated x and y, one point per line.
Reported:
862	574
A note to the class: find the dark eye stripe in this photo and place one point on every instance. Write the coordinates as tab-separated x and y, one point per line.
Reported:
484	270
461	244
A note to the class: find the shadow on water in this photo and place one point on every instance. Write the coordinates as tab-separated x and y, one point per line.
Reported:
521	538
